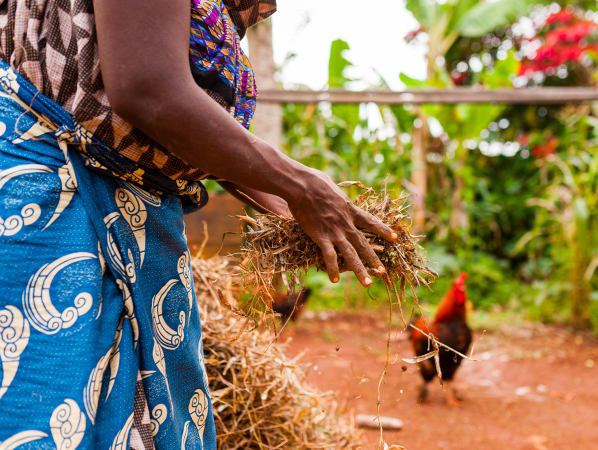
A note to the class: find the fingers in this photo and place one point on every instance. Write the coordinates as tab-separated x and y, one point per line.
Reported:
371	223
330	259
354	263
367	253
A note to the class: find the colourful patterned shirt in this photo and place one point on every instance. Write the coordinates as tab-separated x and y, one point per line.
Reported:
53	44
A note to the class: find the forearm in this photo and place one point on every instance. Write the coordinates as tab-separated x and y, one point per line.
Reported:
144	58
190	124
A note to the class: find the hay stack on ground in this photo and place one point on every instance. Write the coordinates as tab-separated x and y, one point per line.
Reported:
259	395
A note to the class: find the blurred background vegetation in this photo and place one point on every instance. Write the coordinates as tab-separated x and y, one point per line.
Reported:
508	194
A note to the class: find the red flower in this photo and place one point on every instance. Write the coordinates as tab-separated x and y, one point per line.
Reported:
571	53
523	139
561	45
546	53
560	17
583	29
573	33
458	77
542	151
525	67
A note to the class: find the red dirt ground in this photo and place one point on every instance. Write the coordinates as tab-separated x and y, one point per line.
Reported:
535	388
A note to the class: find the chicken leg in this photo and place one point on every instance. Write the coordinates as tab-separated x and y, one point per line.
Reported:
452	397
422	396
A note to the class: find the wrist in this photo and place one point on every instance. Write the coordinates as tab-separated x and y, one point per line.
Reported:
286	178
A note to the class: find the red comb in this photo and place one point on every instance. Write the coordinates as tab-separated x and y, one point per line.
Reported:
459	287
463	276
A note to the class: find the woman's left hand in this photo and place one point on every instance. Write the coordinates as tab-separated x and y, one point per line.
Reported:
275	204
260	201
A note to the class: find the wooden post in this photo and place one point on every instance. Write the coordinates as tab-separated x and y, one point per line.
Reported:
459	219
581	285
267	123
580	295
419	173
454	96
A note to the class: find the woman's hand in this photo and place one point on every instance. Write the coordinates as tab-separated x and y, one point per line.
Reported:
275	204
260	201
329	217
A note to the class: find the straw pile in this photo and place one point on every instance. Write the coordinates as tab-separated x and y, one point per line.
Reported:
277	247
259	396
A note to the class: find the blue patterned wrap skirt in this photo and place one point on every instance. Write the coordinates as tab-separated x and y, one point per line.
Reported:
96	291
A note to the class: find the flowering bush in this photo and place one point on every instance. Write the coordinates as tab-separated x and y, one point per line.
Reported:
564	38
546	149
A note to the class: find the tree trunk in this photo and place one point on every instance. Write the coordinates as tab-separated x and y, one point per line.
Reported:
459	218
267	123
419	174
580	303
580	286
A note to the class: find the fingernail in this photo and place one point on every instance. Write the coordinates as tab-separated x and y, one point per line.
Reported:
381	270
335	280
394	236
368	281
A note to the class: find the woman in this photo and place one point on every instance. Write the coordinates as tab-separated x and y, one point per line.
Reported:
112	112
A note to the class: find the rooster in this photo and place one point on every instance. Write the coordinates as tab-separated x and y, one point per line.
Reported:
290	306
449	327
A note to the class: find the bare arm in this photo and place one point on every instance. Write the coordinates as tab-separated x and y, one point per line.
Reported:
144	57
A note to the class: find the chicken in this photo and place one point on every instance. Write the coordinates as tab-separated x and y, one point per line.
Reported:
449	327
289	306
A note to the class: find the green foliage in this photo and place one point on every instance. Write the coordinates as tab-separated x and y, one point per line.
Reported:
466	121
490	284
490	280
462	9
339	140
531	244
446	21
500	74
413	83
487	16
470	18
559	271
587	5
424	11
338	64
566	219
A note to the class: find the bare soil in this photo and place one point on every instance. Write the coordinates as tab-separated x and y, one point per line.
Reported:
534	387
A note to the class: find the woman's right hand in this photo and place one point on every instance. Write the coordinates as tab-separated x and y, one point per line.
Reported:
331	220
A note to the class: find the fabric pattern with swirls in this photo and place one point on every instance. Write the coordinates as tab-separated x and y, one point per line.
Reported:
95	293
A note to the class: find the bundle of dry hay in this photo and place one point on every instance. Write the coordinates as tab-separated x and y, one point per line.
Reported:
259	395
278	247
